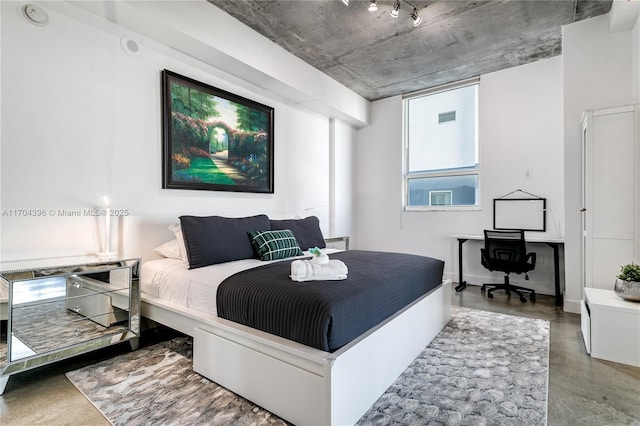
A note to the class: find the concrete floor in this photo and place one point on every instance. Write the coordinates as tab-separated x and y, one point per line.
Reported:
582	390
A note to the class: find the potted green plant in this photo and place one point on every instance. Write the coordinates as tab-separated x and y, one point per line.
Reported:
627	283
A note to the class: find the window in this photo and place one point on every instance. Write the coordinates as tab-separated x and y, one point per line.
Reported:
441	147
444	117
440	198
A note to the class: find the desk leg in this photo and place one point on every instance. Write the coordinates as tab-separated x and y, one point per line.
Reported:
556	272
461	283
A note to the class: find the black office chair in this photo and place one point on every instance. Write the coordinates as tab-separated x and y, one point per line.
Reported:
506	251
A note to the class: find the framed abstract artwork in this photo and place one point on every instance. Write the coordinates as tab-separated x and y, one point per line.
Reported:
213	139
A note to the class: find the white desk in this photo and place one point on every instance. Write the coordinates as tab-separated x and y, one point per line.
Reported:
553	242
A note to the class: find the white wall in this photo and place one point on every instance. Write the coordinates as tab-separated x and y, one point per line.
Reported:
81	118
635	56
201	30
598	73
521	128
342	180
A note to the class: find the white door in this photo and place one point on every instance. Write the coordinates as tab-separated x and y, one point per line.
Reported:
587	118
611	194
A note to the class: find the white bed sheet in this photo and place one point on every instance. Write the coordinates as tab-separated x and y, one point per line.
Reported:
172	281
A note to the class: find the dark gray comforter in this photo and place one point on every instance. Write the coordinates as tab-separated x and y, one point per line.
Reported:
327	314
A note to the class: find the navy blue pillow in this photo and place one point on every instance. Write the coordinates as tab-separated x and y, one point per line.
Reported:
307	231
214	239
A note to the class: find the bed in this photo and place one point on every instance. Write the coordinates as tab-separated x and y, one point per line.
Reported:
329	384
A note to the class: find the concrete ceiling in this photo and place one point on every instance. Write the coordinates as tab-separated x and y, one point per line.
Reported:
378	56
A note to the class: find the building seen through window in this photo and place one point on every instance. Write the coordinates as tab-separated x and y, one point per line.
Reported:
441	147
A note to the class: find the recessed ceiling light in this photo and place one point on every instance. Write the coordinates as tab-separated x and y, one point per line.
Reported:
130	47
35	14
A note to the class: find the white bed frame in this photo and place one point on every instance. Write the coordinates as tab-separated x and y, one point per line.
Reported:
303	385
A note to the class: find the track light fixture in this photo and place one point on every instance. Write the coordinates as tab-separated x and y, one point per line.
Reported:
396	9
417	19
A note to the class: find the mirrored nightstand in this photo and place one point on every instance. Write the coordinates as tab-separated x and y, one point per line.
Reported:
52	309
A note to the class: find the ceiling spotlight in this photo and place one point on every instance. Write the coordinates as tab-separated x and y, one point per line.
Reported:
346	2
35	14
417	19
395	11
373	6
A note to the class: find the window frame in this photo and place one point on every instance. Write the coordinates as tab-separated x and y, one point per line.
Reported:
406	176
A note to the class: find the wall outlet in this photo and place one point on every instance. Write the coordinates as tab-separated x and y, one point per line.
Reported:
535	173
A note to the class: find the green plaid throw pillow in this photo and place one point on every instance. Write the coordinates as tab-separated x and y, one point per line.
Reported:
272	245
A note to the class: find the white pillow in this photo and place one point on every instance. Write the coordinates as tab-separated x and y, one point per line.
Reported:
170	249
177	230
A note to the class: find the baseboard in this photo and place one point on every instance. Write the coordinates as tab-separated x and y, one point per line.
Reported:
540	287
572	306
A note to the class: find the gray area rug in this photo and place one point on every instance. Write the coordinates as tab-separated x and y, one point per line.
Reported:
482	369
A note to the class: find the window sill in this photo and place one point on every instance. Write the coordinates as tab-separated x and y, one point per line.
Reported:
442	209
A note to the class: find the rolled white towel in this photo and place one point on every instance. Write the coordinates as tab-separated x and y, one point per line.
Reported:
306	270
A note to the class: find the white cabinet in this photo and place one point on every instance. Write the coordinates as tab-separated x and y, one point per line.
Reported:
611	326
610	193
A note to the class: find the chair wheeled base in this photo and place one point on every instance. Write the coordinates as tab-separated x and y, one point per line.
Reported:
509	288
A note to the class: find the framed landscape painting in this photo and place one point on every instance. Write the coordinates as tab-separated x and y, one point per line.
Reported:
214	140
